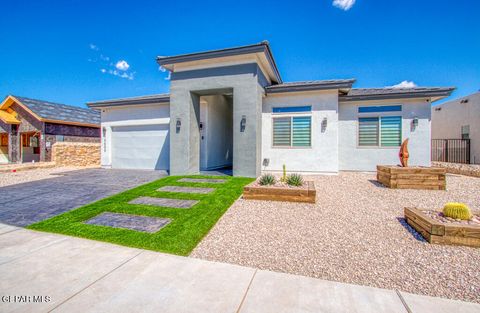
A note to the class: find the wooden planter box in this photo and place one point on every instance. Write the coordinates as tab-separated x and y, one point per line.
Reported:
442	233
432	178
281	193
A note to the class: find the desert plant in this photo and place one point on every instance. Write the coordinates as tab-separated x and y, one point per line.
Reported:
457	211
284	176
267	179
294	180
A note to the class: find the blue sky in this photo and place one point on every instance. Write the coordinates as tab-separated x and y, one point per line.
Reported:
56	50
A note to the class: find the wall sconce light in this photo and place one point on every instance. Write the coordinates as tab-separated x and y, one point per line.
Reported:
414	123
243	122
324	124
266	162
179	124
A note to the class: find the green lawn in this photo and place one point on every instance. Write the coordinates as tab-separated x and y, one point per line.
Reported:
187	228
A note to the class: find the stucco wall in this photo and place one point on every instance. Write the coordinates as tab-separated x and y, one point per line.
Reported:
76	154
448	121
136	115
322	156
185	90
216	148
353	157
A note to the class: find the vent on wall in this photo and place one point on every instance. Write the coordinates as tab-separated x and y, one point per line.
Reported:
464	101
438	109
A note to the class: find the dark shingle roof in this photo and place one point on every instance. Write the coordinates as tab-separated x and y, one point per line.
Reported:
391	93
60	112
157	98
311	85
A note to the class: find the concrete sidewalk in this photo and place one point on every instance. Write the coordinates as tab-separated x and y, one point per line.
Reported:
78	275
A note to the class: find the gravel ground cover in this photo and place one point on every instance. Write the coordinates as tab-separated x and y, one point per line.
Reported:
355	233
25	176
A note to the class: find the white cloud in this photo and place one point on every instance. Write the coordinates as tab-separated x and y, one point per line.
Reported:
122	65
103	70
343	4
169	76
405	84
104	58
129	76
93	47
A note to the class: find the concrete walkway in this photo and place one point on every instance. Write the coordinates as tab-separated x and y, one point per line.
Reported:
77	275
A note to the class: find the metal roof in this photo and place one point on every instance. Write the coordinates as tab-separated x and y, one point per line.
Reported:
395	93
311	85
51	111
156	98
263	46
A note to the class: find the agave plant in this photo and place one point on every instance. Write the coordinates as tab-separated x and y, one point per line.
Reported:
295	180
267	179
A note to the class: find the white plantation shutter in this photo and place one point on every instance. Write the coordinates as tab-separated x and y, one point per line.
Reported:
368	131
282	131
391	127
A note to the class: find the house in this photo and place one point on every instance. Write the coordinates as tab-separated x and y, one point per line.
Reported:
459	119
29	128
230	107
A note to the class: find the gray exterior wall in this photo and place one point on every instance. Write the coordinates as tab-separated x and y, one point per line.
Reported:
185	90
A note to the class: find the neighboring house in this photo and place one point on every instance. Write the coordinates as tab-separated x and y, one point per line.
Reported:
230	107
459	119
29	128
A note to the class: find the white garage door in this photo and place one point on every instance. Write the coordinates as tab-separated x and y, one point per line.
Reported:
141	147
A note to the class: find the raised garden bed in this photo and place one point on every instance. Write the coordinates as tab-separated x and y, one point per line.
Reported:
439	230
305	193
415	177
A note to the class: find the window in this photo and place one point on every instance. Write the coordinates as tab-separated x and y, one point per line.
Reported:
379	109
292	131
292	109
384	131
466	132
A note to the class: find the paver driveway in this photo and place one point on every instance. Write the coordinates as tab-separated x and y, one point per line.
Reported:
28	203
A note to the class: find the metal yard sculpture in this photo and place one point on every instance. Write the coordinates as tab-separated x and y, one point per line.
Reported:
403	154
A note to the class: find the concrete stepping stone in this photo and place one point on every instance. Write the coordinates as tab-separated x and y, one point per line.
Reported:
186	189
170	203
129	221
202	180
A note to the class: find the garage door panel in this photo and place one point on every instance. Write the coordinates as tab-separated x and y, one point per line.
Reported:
140	147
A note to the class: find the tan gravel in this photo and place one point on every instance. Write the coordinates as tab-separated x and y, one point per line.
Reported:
24	176
354	234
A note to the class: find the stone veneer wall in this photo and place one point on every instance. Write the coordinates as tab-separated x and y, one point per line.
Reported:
50	140
76	154
462	169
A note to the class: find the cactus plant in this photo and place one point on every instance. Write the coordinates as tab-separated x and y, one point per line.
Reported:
284	176
294	180
457	211
267	179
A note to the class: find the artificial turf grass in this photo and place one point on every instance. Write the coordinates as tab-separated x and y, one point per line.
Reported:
180	236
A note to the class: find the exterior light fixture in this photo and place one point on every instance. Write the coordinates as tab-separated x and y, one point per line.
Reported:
243	122
178	124
324	124
266	162
415	122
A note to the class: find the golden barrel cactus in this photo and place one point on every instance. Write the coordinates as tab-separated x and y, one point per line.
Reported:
457	211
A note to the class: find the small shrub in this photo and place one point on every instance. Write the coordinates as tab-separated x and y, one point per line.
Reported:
294	180
284	176
457	211
267	179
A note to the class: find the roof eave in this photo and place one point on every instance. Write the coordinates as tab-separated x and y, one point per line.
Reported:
257	48
124	102
436	95
310	87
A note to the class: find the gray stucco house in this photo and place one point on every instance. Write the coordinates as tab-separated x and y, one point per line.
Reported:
230	107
